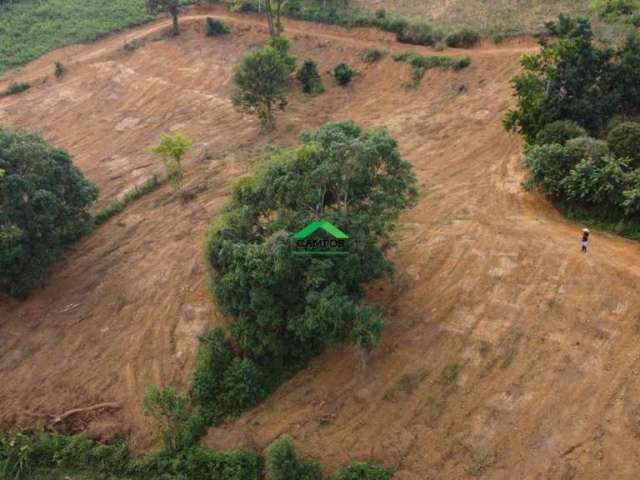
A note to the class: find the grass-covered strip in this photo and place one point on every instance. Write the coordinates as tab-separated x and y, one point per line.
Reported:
53	456
335	13
422	63
30	28
105	213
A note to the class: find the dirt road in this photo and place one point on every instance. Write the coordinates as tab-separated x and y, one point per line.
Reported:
507	353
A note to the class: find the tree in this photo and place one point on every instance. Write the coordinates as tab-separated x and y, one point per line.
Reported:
260	81
289	307
171	149
310	78
44	202
170	412
170	6
570	79
273	12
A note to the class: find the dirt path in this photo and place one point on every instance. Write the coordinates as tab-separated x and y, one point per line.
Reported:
507	353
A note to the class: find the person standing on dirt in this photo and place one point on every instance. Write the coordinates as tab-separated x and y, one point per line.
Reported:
585	240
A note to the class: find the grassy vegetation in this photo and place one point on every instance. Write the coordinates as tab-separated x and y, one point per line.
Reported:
105	213
15	88
500	18
422	63
30	28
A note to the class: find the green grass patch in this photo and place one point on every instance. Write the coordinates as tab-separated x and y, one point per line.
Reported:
119	205
30	28
422	63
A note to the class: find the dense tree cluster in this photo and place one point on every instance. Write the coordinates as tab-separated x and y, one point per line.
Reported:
577	102
43	207
286	306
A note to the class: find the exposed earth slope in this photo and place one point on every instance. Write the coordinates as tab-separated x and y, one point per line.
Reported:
507	353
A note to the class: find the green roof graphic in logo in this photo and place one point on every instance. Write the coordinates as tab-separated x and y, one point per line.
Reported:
310	229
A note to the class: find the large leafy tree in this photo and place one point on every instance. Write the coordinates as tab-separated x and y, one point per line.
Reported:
287	307
570	79
43	207
261	79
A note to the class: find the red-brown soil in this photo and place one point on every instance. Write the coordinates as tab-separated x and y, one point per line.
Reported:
490	281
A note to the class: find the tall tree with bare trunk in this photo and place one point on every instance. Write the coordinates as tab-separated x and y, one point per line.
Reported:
172	7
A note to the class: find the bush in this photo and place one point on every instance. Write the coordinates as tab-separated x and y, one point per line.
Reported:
624	141
463	39
343	74
422	63
548	165
242	386
58	70
381	13
420	34
171	414
559	132
310	78
613	9
283	463
171	150
213	360
587	147
362	471
243	6
16	87
260	81
373	55
597	184
215	28
45	201
119	205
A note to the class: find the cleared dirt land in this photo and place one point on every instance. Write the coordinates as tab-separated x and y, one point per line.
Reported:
507	353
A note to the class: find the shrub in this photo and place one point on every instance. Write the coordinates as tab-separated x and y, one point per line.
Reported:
178	427
44	200
362	471
58	70
422	63
420	34
119	205
171	150
465	38
215	28
381	13
373	55
560	132
587	147
213	360
260	81
343	74
548	166
624	141
310	78
601	184
243	6
242	386
613	9
283	463
17	87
